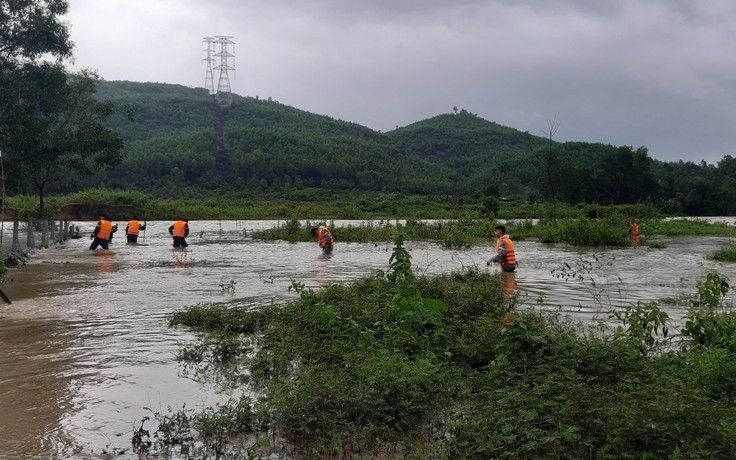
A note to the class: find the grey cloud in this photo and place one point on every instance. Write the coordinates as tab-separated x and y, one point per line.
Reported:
635	72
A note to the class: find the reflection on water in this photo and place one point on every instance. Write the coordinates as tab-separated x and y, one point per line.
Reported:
86	344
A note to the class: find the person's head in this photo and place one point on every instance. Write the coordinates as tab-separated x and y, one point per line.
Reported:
186	220
500	231
134	217
103	216
314	231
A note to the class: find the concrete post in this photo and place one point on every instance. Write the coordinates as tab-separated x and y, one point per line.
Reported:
30	237
16	237
66	230
44	233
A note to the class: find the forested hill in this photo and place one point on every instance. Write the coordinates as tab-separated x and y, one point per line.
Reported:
274	147
277	149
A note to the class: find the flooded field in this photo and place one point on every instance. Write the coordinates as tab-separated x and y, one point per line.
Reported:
86	346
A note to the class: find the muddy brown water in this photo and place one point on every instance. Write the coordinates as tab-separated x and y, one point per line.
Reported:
86	351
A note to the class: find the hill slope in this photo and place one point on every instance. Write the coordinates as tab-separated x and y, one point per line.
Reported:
280	151
272	147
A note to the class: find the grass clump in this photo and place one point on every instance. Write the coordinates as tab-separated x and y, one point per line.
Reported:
724	255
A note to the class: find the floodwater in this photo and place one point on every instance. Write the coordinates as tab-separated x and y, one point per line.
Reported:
86	351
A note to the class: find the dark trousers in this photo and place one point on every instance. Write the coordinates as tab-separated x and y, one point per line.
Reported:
132	238
99	242
180	242
327	250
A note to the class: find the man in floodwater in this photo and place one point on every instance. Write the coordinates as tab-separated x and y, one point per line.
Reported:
179	231
132	230
102	234
634	233
505	254
326	241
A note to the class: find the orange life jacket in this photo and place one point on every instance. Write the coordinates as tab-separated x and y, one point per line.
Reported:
510	258
634	229
134	227
180	229
105	230
322	237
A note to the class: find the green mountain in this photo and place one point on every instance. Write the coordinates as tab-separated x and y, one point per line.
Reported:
272	148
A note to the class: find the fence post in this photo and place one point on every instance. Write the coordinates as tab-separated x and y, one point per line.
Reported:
66	230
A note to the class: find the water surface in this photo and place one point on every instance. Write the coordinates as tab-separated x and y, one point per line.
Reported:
86	345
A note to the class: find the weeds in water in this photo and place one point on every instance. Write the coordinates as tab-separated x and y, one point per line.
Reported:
336	377
724	255
584	270
205	434
655	244
227	285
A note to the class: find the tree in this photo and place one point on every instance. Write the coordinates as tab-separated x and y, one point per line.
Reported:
73	141
34	41
50	122
548	160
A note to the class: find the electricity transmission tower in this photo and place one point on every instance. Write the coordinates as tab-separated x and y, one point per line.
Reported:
224	96
209	82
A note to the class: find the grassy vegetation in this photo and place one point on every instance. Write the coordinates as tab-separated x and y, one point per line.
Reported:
465	224
611	231
319	204
461	233
465	232
725	255
398	367
682	227
303	204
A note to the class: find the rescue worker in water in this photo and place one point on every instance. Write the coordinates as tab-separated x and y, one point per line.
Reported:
326	241
132	230
505	254
102	234
179	231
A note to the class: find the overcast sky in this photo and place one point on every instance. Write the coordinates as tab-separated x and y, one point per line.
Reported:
653	73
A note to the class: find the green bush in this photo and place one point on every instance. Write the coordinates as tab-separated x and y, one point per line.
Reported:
585	232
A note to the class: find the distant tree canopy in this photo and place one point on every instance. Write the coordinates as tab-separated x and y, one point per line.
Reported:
279	151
